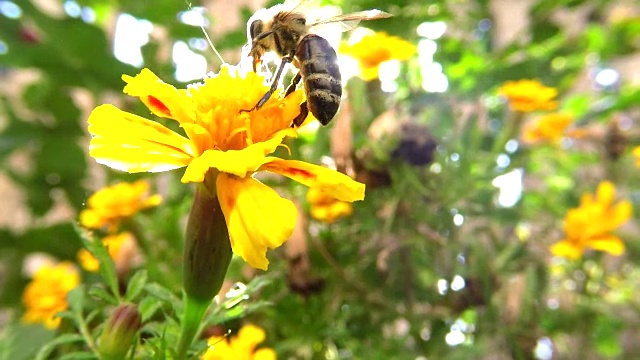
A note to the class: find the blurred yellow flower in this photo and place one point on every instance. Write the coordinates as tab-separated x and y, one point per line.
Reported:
46	294
548	128
110	205
113	243
589	225
375	48
327	208
228	140
528	95
636	155
240	347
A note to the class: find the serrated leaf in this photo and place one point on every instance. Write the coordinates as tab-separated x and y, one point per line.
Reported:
99	292
93	315
107	267
148	307
161	293
136	285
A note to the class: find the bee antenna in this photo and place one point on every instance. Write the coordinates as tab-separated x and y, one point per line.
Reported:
222	338
204	31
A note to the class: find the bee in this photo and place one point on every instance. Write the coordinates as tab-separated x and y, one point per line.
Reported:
288	34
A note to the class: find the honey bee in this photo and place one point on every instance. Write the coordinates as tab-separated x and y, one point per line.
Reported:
288	34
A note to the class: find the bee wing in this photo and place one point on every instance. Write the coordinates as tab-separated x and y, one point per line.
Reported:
346	22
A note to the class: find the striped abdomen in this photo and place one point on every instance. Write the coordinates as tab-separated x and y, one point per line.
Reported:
321	77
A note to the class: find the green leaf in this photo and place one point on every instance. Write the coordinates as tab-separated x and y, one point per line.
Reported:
46	350
162	294
76	298
136	285
20	342
98	291
148	307
78	356
606	336
107	267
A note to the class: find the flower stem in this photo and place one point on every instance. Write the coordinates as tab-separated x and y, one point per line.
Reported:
194	311
510	131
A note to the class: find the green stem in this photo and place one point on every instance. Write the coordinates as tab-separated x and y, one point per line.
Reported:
375	97
194	311
86	334
510	131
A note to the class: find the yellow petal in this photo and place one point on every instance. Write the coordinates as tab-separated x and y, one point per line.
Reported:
608	243
257	217
264	354
236	162
336	184
91	219
369	73
161	98
606	193
620	213
251	335
88	261
566	249
636	155
131	143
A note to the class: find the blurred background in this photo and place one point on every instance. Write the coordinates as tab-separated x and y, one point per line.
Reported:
449	254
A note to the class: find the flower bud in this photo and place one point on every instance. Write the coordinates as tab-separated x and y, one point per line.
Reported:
120	332
207	251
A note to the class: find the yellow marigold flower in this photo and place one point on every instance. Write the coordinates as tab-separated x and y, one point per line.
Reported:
108	206
529	95
240	347
589	225
376	48
636	155
327	208
228	141
550	128
113	243
46	294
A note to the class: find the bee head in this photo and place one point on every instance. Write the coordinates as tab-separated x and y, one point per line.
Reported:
255	29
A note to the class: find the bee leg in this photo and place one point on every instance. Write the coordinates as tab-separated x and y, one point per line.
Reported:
294	83
304	111
274	84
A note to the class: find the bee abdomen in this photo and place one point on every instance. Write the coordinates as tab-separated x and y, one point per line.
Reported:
321	76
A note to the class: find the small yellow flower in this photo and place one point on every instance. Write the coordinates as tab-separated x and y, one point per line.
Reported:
636	155
113	243
529	95
46	294
240	347
227	141
589	225
550	128
327	208
376	48
110	205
